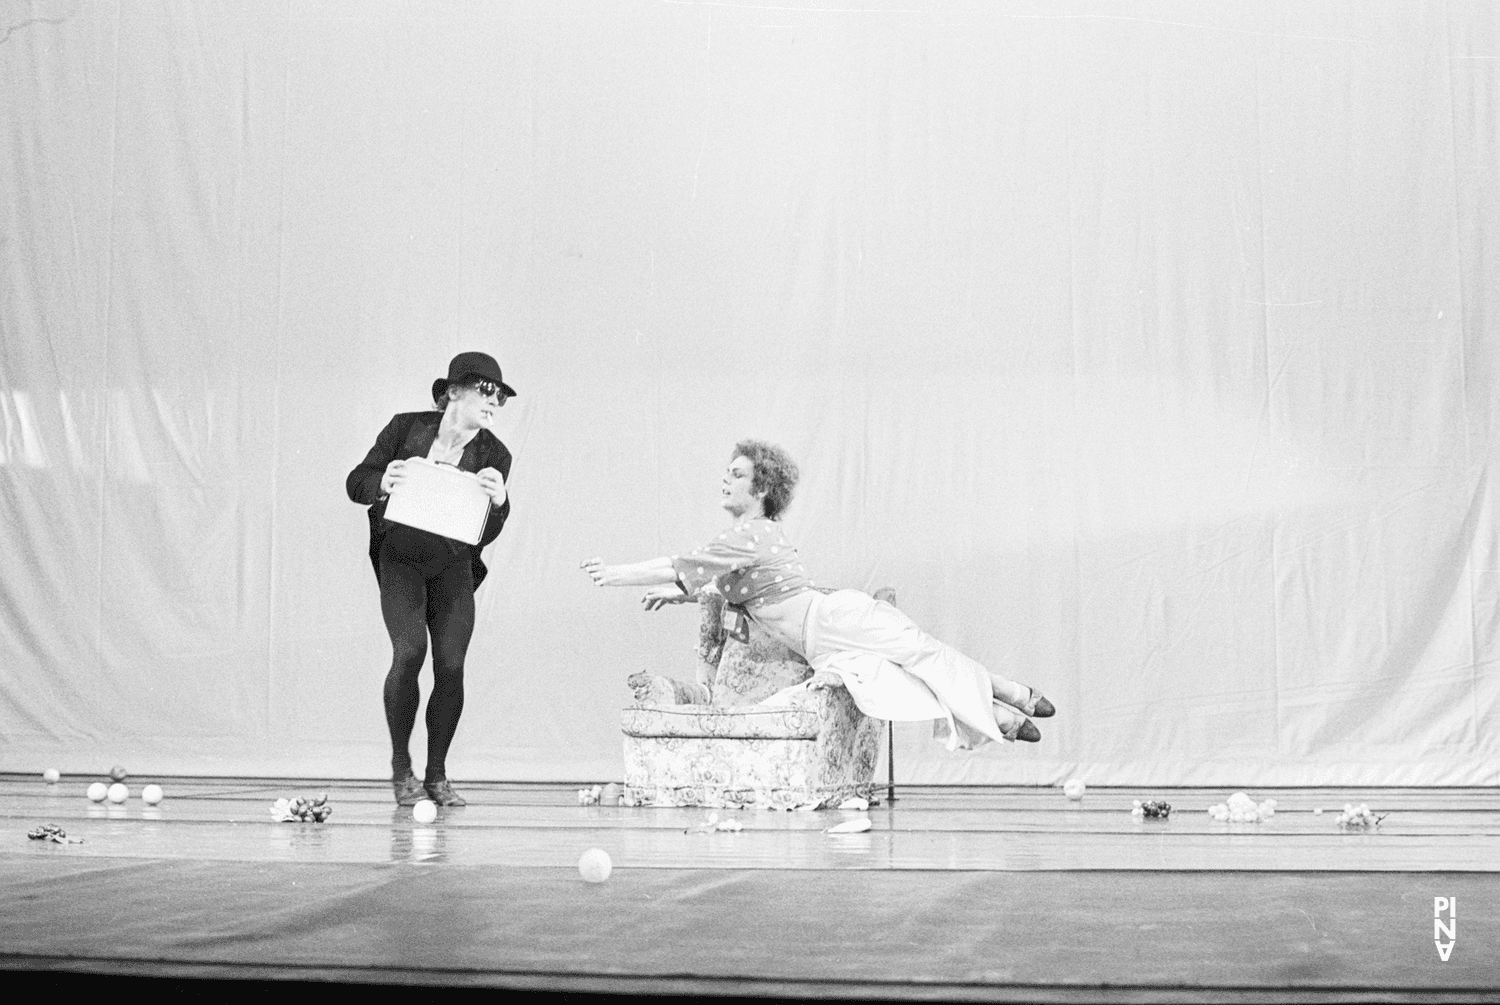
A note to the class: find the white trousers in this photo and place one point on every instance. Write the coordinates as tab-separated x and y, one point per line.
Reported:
894	670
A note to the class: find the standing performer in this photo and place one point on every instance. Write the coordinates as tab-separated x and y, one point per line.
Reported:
892	668
427	582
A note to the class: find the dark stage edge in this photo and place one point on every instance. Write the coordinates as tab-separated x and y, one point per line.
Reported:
304	911
109	977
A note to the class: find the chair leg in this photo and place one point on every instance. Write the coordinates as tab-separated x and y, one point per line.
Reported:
890	761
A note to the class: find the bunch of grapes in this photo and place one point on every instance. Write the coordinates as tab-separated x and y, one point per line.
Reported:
307	810
1152	809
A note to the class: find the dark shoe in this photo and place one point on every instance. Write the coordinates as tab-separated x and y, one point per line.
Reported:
409	791
442	793
1026	732
1038	706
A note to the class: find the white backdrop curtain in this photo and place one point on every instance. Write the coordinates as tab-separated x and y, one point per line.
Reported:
1147	349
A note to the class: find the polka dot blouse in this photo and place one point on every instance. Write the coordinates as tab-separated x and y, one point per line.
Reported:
752	564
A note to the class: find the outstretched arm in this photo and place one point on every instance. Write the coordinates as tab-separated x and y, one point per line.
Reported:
690	573
652	572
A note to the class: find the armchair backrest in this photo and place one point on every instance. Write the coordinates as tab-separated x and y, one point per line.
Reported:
743	673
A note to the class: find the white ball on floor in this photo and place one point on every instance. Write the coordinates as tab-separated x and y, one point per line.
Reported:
152	794
51	775
425	812
98	791
594	865
118	793
1074	788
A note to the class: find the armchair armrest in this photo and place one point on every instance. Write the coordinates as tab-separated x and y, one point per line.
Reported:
655	689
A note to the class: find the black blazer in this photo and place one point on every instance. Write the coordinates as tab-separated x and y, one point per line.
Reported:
410	434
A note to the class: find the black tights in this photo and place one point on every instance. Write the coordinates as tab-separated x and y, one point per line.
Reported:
426	586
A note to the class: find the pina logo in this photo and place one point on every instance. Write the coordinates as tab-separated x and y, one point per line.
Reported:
1444	929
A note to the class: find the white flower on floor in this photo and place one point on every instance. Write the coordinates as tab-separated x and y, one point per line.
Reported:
712	823
851	827
1241	809
1358	817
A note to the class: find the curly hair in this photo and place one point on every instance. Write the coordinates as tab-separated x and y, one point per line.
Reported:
775	473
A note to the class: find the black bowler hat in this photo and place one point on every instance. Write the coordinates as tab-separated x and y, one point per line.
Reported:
472	364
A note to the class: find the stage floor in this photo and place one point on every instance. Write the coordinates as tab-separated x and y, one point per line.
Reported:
982	893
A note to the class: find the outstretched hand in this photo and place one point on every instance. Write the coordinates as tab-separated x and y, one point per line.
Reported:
595	567
660	596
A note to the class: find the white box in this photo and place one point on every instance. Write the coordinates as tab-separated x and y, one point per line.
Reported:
441	499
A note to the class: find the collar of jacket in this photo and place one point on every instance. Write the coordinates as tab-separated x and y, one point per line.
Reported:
424	431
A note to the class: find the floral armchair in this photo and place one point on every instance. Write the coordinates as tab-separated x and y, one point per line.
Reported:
709	742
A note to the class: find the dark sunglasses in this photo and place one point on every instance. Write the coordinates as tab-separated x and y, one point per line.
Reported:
491	389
